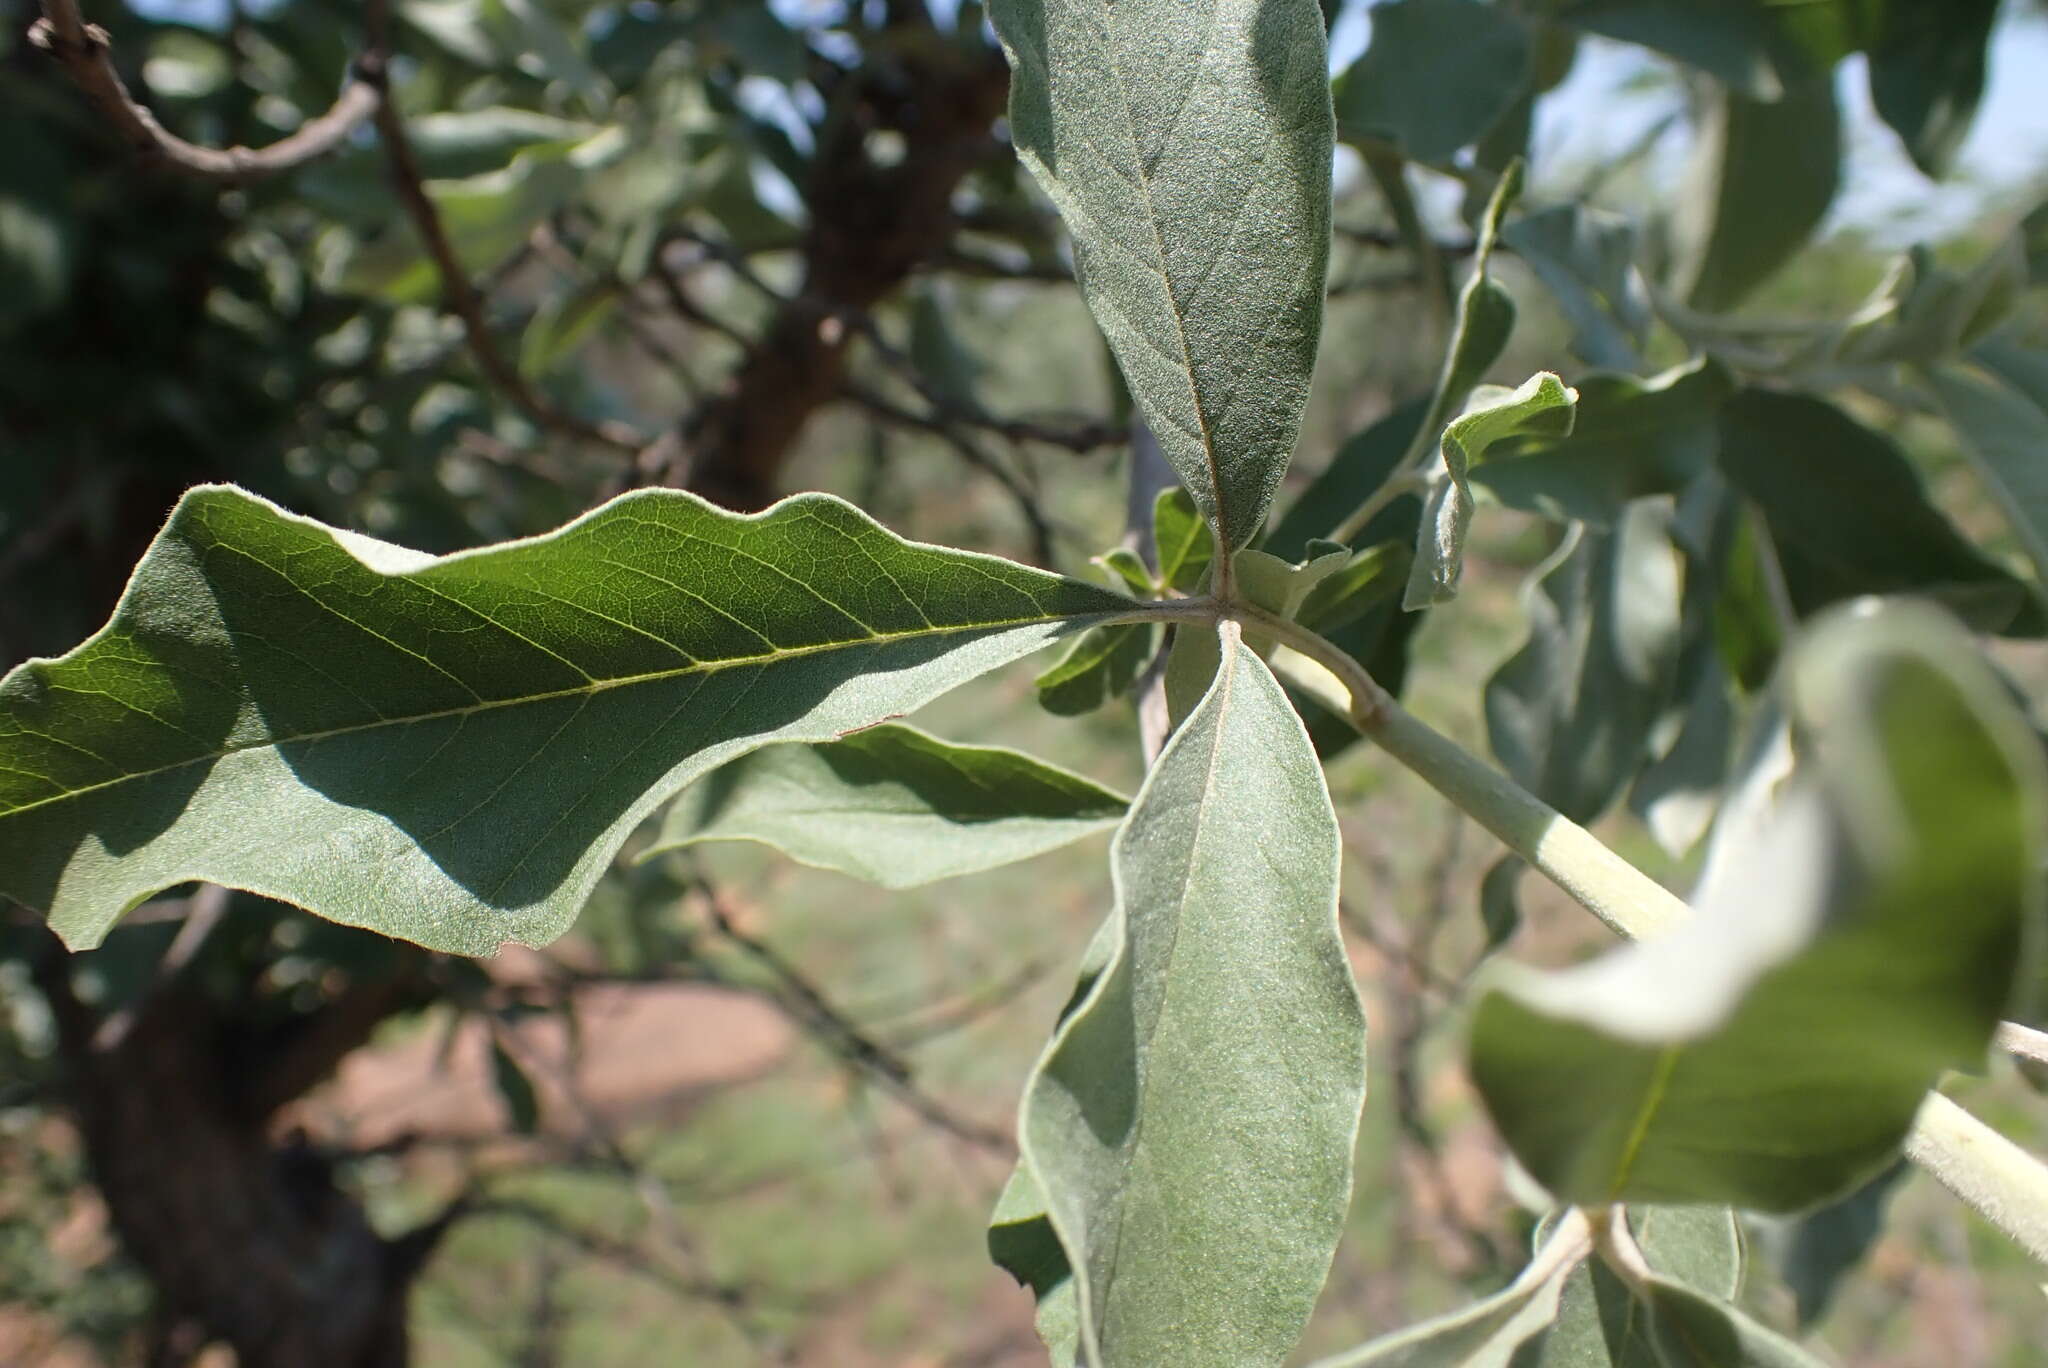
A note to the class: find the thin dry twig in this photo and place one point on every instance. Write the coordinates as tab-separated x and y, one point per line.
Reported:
888	411
459	296
845	1038
85	52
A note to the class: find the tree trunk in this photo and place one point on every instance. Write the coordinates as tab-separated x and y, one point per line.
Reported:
873	222
246	1239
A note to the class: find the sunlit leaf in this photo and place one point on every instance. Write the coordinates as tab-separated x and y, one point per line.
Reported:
1632	437
1600	1324
892	805
1183	540
1544	406
1192	1122
450	750
1191	162
1495	1330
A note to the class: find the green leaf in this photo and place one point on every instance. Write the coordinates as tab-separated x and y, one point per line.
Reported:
1282	587
1824	1245
450	749
1191	1124
1761	180
1437	75
1499	911
892	805
1927	74
1191	162
1586	259
1848	515
1923	313
1486	314
1632	437
1601	1325
2004	427
1490	1333
1355	588
1694	1331
1362	464
1128	567
1677	793
1772	1052
1183	540
1757	47
1104	662
1545	406
1022	1243
1570	714
1101	665
456	144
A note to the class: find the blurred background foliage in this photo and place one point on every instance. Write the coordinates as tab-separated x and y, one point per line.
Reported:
749	1113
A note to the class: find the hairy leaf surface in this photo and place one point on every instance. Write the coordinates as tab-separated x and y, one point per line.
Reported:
1570	714
1543	406
1600	1324
1188	150
450	749
1191	1124
892	805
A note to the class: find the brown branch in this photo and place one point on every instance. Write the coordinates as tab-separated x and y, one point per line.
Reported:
888	411
84	51
459	296
286	1061
872	225
962	261
1080	438
809	1006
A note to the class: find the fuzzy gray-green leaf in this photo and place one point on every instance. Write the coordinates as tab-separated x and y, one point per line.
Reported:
451	749
892	805
1762	178
1188	149
1191	1124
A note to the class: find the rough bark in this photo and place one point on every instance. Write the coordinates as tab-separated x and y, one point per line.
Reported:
874	220
245	1237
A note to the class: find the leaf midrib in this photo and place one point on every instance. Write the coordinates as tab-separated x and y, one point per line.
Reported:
591	689
1180	329
1226	684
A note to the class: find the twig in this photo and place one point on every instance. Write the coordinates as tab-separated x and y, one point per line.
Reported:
1080	438
960	261
1027	504
459	296
1388	239
732	1296
847	1039
945	1018
203	912
2007	1185
84	49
